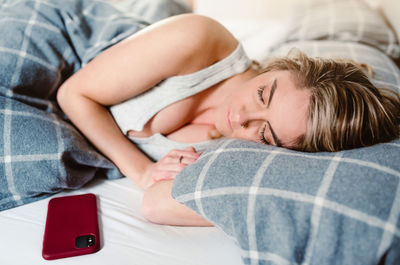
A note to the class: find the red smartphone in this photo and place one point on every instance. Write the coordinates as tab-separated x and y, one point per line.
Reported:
71	227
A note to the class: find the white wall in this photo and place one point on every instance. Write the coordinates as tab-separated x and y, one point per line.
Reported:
250	8
242	8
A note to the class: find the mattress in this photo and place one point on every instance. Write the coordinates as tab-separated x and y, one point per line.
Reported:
126	237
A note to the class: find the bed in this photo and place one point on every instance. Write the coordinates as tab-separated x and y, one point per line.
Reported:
343	209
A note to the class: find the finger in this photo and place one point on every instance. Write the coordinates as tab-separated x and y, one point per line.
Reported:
190	154
187	160
178	158
170	159
190	148
189	151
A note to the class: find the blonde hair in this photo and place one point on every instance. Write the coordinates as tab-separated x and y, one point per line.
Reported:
346	110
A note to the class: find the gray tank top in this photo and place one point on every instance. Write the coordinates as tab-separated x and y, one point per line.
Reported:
134	113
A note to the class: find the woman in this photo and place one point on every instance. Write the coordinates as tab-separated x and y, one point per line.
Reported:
199	85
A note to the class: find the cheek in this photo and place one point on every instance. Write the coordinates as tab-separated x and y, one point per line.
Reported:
244	97
250	134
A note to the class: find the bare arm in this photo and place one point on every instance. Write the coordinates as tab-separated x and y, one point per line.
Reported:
159	207
175	46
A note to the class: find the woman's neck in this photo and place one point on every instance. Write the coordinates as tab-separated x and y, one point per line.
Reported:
208	100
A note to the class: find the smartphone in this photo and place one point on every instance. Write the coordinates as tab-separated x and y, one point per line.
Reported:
71	227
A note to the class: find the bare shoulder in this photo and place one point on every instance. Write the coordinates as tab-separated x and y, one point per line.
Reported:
177	45
204	39
204	29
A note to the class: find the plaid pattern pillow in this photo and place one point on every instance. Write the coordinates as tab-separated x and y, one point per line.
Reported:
288	207
343	20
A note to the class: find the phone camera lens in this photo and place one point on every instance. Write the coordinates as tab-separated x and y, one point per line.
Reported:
90	241
85	241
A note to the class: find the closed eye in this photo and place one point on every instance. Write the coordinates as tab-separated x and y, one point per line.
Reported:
261	93
262	136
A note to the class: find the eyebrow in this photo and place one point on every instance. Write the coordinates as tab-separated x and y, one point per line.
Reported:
272	91
277	141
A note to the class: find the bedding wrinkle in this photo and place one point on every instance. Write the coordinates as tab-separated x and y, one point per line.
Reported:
60	142
7	122
121	186
159	254
118	207
23	220
144	232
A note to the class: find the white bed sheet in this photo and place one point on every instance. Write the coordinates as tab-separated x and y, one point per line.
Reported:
126	237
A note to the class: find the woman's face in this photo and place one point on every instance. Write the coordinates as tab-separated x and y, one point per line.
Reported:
267	108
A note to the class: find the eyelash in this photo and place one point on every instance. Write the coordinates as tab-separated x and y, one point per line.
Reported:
262	137
260	92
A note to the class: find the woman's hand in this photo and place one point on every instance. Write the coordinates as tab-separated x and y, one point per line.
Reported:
171	164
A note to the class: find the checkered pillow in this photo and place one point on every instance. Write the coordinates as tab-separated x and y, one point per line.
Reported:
342	20
287	207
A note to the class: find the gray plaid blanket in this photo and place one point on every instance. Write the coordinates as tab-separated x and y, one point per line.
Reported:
42	43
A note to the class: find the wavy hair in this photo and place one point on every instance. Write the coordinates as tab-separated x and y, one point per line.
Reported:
346	110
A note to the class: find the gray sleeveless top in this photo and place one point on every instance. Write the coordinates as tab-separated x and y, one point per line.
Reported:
134	113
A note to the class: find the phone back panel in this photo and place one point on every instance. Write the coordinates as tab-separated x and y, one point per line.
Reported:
68	218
